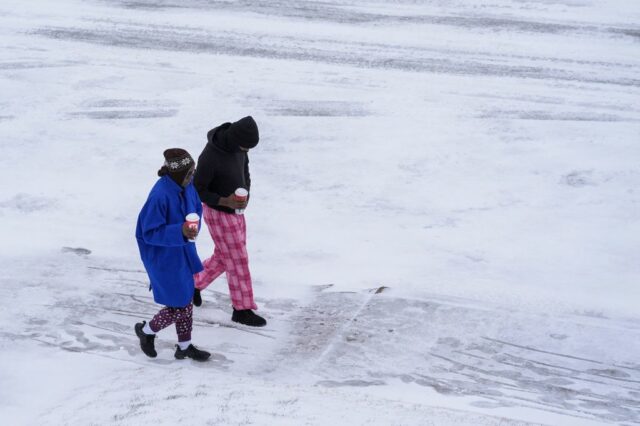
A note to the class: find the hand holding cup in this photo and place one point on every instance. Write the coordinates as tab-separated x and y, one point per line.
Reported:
190	226
242	196
233	202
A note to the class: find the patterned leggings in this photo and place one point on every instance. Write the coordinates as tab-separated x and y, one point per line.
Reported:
182	317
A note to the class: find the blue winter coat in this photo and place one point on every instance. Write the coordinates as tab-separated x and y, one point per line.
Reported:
169	258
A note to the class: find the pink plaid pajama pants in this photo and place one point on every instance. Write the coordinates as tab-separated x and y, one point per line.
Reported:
229	233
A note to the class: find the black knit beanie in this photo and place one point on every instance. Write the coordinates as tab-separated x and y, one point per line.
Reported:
177	163
244	133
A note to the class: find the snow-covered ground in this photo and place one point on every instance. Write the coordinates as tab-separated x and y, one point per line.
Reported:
475	162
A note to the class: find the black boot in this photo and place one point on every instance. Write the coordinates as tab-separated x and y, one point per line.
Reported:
146	340
192	352
248	317
197	299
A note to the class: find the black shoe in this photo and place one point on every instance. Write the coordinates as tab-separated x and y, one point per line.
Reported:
197	299
146	340
248	317
192	352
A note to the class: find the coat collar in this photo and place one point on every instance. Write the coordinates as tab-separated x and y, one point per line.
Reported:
171	185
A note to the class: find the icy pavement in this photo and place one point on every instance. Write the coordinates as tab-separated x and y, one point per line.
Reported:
501	358
440	360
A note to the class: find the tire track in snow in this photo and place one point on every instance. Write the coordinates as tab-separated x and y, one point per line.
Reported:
361	55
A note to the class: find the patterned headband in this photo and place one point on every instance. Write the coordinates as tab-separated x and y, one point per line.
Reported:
178	164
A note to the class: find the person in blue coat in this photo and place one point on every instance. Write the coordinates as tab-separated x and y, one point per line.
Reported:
168	255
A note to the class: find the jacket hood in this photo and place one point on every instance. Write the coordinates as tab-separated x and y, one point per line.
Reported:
217	137
231	136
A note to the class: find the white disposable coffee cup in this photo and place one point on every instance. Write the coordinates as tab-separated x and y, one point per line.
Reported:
193	220
241	194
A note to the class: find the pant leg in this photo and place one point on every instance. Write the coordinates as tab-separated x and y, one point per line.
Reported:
213	266
230	237
184	323
163	319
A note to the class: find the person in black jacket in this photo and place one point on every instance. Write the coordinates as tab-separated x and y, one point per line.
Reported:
222	168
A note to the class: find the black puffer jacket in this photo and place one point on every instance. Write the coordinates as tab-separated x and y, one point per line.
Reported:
223	166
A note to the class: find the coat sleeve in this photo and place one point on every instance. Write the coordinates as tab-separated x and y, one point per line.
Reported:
197	203
155	230
199	210
203	177
247	175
